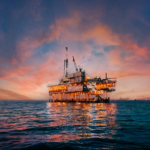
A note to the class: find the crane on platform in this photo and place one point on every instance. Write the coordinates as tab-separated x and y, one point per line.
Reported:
75	64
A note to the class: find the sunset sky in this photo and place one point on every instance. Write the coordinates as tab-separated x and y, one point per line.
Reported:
110	36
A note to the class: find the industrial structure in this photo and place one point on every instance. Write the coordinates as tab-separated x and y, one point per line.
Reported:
79	87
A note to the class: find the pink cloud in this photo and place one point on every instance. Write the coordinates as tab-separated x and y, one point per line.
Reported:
66	30
7	94
127	59
71	29
28	79
14	72
26	47
14	61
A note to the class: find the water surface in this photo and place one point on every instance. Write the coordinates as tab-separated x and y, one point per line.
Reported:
44	125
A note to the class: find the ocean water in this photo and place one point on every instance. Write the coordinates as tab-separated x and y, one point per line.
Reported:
44	125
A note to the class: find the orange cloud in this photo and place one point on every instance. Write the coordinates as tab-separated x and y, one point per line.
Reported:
126	59
72	29
6	94
29	79
14	72
127	54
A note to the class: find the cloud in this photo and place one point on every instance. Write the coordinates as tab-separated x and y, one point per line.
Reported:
95	45
28	79
126	58
126	53
6	94
26	47
9	72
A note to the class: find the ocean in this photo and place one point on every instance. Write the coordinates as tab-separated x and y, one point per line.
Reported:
47	125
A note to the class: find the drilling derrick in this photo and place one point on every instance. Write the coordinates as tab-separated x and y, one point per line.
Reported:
78	87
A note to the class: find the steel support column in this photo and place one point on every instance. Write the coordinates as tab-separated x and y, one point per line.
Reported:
91	96
75	96
105	94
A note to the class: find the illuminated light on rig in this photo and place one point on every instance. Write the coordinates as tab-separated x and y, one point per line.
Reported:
104	85
57	88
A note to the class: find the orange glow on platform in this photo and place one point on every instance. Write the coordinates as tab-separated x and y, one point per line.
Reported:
57	88
104	85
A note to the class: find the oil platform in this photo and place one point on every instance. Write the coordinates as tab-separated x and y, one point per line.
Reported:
78	87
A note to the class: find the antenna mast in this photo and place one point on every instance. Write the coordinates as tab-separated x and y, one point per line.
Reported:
106	75
64	67
66	61
75	64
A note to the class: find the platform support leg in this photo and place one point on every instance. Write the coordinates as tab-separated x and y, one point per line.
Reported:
59	96
79	96
87	97
105	94
68	96
75	96
55	96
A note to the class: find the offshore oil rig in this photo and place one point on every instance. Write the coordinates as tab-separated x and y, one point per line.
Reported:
78	87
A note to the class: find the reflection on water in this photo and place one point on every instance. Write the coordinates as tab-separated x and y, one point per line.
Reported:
115	125
81	120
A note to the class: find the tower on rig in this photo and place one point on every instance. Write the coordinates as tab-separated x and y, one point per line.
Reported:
79	87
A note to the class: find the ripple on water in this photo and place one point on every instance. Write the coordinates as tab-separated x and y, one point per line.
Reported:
44	125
